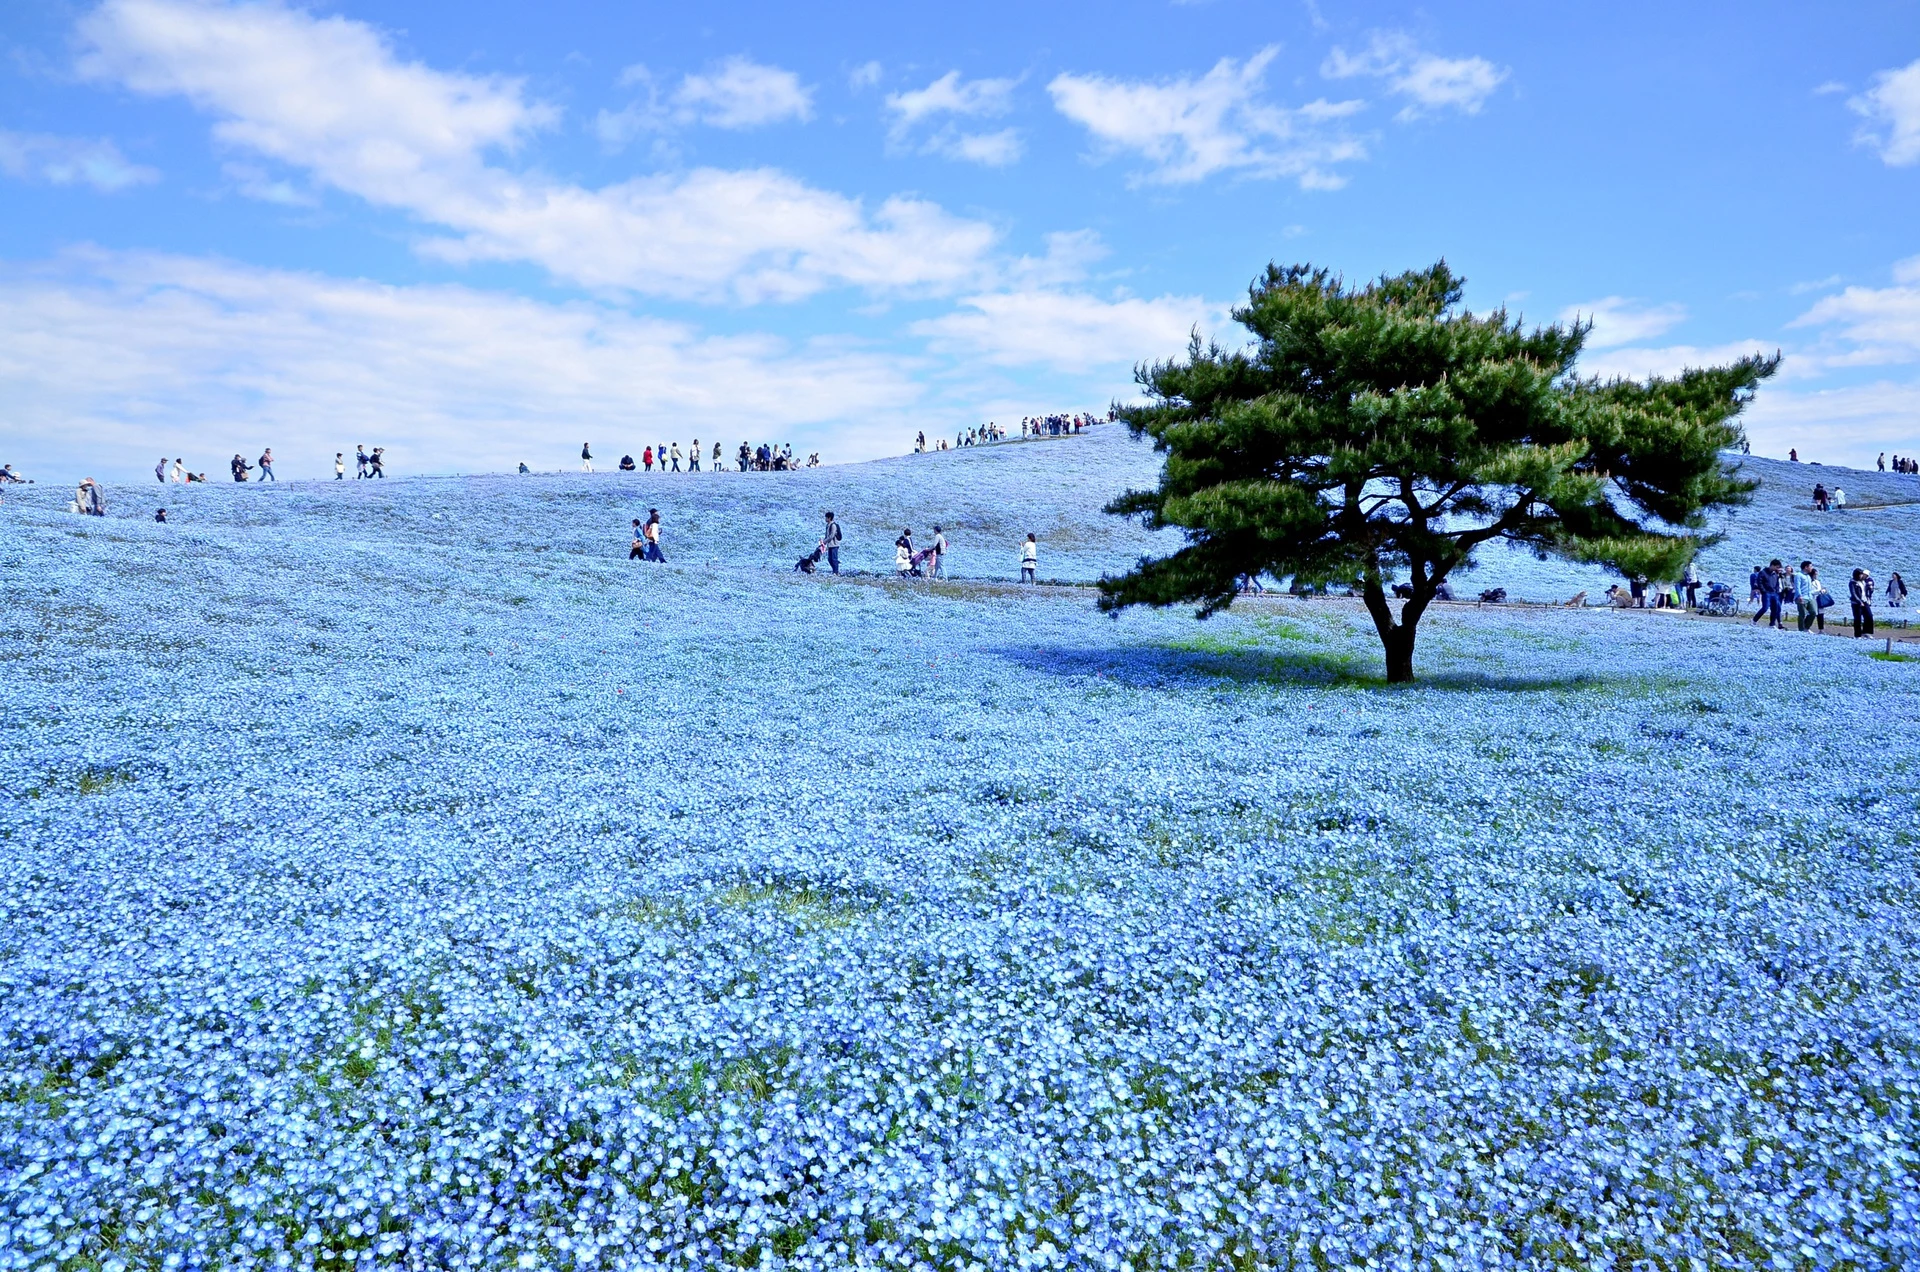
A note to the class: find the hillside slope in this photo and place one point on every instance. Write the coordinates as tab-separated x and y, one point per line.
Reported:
986	498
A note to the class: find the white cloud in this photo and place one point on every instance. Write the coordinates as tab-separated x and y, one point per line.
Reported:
1192	128
735	93
951	95
70	161
1892	111
1427	81
1871	326
1638	363
329	95
1069	331
1619	321
864	76
1856	420
741	93
993	150
133	354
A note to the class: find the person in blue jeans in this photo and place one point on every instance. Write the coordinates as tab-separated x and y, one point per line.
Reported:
266	465
1769	581
830	540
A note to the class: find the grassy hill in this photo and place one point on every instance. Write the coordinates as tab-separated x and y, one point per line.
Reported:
987	499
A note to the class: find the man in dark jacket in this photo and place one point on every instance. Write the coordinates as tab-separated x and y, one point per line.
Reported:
830	540
1770	594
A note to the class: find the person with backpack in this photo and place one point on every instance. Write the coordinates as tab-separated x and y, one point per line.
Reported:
266	465
830	539
1029	559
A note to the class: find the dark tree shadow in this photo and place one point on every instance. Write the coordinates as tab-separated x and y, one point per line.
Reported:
1160	666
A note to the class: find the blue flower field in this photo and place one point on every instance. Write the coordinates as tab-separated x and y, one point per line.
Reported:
395	875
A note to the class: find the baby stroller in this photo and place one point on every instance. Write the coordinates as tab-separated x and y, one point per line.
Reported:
1720	602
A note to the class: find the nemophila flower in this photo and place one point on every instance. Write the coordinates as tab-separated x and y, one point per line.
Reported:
351	914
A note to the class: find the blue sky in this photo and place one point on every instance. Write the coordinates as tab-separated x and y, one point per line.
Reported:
484	233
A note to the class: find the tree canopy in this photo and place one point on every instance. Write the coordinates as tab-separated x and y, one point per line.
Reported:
1381	432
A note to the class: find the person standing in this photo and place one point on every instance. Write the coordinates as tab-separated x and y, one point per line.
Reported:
240	467
180	471
830	540
746	457
266	465
1690	583
1896	591
586	458
360	462
651	532
1770	594
160	471
1839	499
646	458
1803	598
716	457
1862	605
693	456
1882	461
339	466
938	563
1029	559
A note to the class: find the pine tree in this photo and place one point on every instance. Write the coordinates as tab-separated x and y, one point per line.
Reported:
1378	432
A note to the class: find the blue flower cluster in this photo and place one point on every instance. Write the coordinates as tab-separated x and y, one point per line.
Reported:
401	878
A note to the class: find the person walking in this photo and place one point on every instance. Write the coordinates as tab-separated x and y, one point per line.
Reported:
377	463
1770	597
586	458
160	471
830	540
939	561
266	465
676	457
240	468
1803	596
716	457
1862	605
651	532
339	466
693	458
180	471
1029	559
1882	461
1896	591
1839	499
1756	593
360	462
1690	584
639	548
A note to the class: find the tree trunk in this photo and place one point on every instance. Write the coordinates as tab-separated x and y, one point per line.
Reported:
1396	637
1399	647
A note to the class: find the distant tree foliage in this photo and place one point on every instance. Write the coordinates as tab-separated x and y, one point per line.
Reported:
1381	432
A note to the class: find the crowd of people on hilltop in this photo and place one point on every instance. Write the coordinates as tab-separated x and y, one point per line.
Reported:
1901	464
1059	425
667	457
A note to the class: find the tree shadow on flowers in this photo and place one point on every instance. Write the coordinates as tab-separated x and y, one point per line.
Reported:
1189	663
